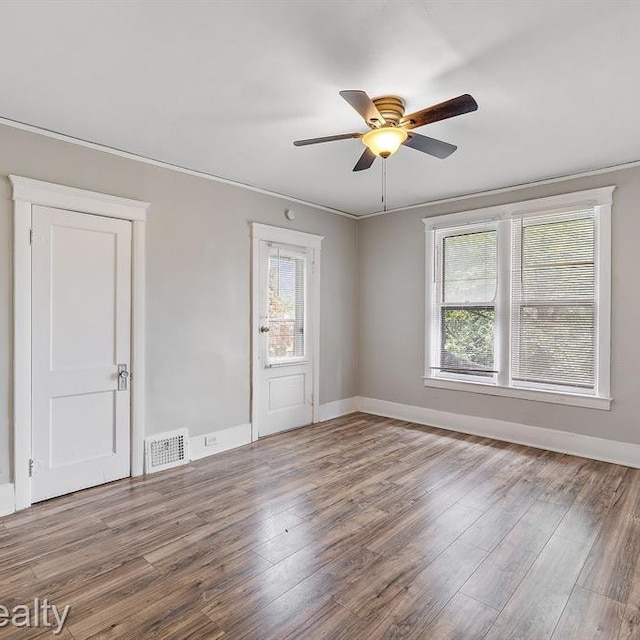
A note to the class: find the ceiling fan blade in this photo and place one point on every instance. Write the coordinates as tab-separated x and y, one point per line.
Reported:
366	160
428	145
442	111
340	136
363	104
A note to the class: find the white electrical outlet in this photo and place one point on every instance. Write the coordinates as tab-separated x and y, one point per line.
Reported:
210	441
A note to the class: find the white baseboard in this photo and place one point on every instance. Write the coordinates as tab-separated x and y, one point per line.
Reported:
225	439
336	409
7	499
623	453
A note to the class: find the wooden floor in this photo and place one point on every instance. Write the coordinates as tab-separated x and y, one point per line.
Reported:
359	528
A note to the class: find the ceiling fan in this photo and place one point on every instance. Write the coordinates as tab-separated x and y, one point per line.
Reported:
390	128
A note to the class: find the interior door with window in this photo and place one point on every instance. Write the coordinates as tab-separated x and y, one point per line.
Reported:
81	323
284	357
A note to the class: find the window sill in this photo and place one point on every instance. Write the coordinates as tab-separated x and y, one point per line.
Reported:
554	397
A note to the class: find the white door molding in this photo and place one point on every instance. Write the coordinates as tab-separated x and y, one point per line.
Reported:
268	233
26	194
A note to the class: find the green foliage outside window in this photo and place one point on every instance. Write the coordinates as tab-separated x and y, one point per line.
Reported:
467	339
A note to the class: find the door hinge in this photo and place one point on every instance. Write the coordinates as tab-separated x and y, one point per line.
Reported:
31	465
30	236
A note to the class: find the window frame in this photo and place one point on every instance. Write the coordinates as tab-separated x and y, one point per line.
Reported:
438	303
500	218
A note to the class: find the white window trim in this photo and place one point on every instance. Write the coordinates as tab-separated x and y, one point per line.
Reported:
601	199
27	193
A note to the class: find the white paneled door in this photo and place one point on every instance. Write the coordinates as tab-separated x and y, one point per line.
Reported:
285	345
81	326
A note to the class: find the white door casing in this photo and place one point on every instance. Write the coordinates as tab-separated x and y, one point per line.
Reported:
27	194
81	326
285	351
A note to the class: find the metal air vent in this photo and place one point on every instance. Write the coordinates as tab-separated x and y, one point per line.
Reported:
166	450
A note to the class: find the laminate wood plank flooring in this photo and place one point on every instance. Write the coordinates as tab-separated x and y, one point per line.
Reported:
359	528
589	615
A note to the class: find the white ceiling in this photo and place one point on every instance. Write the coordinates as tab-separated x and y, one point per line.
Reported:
225	87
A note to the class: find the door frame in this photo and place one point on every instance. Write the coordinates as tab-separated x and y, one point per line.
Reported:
27	193
267	233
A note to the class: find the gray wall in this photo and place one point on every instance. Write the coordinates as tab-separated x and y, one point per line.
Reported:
198	296
392	263
198	299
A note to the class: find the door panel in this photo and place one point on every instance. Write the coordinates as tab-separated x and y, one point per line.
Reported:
82	334
285	358
81	295
286	391
70	445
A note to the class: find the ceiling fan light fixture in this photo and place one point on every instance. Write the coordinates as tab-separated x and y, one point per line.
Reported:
384	141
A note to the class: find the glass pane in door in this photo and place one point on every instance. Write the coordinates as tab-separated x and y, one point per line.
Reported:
286	304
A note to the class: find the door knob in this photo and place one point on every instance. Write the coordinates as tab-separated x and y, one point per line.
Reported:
264	329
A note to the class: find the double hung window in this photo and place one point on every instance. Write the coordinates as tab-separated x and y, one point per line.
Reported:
518	299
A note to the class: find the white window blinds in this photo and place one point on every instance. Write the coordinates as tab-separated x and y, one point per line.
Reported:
286	304
553	301
518	299
470	267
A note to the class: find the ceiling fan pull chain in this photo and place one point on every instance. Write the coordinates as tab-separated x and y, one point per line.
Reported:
384	185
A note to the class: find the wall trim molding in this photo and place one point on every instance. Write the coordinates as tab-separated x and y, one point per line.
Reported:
7	499
49	194
576	444
561	203
15	124
226	439
337	408
516	187
28	193
47	133
240	435
270	233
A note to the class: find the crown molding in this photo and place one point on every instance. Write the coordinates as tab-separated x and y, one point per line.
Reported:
517	187
15	124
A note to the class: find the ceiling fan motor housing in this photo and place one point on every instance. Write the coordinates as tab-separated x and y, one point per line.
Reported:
391	108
